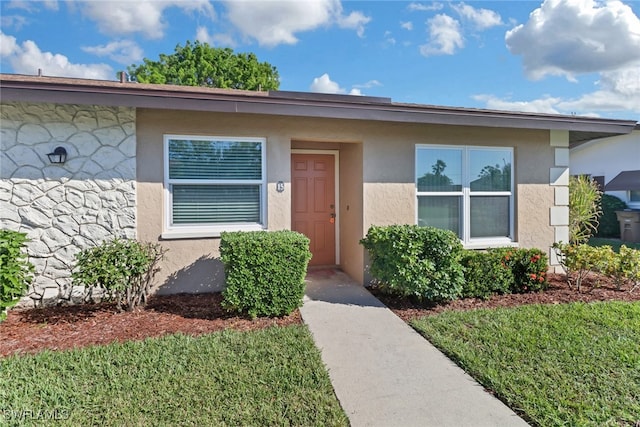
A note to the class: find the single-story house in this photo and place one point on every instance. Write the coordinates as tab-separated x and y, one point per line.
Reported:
614	162
179	165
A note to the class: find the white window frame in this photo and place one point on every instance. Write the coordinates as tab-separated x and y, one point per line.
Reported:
180	231
467	194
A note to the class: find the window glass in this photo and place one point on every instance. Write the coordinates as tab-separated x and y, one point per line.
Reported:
634	196
489	216
444	212
467	190
490	170
215	183
439	169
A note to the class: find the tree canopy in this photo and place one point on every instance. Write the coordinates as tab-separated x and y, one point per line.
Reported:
198	64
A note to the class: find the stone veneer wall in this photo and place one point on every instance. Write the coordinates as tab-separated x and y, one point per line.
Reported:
66	208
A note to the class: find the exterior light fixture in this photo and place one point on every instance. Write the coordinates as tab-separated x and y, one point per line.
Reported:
59	155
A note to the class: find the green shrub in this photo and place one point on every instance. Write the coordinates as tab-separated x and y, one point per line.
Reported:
264	271
529	268
485	274
623	267
584	208
609	225
121	270
578	261
16	272
422	262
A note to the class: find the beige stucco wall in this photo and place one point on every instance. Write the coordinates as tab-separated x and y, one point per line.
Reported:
377	182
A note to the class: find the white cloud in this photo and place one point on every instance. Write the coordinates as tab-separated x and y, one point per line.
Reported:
368	85
324	84
140	16
445	36
16	22
407	25
568	37
481	18
618	91
122	51
276	22
219	39
542	105
8	45
354	21
27	58
424	7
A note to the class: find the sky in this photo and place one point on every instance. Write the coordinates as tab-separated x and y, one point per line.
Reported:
577	57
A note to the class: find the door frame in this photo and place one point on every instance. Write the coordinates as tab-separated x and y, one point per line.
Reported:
336	156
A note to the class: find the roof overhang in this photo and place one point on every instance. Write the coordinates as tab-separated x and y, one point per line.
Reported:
297	104
624	181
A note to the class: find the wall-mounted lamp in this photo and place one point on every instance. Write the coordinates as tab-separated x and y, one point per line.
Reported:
59	155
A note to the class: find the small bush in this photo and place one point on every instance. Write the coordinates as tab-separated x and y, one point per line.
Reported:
119	269
609	225
422	262
264	271
529	268
485	274
16	272
578	261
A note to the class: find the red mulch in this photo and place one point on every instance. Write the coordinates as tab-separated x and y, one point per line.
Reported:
65	327
594	288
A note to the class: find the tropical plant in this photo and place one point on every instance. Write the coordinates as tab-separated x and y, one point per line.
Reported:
584	208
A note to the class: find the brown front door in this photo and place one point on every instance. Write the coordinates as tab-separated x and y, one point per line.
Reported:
313	205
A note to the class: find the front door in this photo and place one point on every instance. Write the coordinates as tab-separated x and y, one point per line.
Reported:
313	210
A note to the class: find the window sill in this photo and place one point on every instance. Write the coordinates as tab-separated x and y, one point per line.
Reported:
206	232
490	245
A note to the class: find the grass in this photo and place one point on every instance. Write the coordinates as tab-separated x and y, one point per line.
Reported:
614	243
570	364
269	377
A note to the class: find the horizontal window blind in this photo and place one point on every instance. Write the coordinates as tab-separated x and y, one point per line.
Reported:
216	204
215	160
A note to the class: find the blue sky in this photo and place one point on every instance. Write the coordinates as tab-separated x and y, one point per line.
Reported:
553	56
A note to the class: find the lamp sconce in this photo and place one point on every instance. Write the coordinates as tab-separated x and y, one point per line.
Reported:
59	156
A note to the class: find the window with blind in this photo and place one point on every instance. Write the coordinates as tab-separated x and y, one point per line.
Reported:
214	184
468	190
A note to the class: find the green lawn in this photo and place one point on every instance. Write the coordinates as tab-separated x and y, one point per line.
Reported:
269	377
614	243
558	365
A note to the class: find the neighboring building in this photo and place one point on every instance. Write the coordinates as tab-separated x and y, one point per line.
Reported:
178	165
612	161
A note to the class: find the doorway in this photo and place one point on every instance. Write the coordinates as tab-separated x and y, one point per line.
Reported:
313	205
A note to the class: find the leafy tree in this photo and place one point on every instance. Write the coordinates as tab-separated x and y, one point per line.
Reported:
493	178
436	181
198	64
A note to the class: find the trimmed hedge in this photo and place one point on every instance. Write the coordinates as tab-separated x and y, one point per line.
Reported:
485	274
264	271
421	262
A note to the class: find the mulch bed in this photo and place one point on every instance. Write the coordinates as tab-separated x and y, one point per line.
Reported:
594	288
65	327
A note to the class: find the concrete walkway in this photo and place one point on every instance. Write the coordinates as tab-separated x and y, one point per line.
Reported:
384	373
